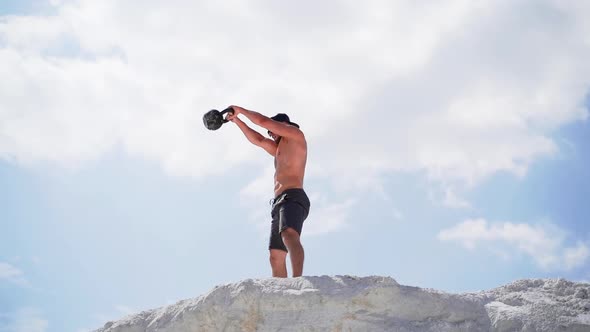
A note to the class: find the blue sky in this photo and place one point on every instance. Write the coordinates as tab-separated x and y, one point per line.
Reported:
440	154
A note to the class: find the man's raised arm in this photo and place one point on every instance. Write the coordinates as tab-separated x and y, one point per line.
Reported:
279	128
254	137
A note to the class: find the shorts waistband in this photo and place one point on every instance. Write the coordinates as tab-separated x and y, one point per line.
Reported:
291	190
281	196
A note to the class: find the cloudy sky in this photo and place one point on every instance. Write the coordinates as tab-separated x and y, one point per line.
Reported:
448	144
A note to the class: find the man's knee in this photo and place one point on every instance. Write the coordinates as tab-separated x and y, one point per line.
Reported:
277	256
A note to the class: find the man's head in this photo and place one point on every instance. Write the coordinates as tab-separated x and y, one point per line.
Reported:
281	117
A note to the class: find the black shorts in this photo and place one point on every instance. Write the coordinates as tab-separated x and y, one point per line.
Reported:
289	209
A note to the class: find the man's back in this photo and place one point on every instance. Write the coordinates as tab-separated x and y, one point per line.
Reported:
290	161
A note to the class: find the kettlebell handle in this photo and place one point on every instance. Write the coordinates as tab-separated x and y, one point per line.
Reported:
227	110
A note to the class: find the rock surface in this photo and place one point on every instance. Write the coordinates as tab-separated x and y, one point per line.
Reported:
345	303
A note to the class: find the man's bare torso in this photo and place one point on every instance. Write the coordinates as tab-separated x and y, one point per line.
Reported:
290	160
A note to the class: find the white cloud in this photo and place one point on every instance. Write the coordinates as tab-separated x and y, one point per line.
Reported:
12	274
452	200
574	257
448	197
327	217
544	243
9	271
260	188
457	89
25	320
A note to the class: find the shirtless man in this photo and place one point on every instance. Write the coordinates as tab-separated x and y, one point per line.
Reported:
290	206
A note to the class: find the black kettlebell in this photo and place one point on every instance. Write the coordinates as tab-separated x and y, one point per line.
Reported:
213	119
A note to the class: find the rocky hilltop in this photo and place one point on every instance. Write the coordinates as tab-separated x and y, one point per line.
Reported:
346	303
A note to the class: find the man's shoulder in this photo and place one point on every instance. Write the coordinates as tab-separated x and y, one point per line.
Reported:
298	138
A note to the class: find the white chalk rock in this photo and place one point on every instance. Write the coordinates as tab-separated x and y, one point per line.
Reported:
345	303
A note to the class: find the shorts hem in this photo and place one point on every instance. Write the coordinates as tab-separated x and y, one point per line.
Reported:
287	226
282	249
